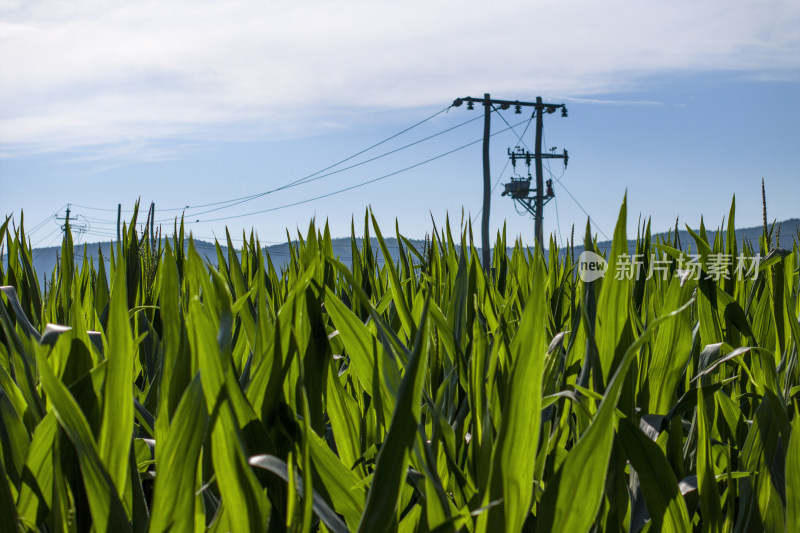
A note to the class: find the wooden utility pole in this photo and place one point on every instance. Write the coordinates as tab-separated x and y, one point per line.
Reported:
119	219
539	178
487	184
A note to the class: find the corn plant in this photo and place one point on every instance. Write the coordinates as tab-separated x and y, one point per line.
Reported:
156	390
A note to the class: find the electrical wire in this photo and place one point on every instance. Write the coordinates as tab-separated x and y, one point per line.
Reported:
346	159
519	137
558	181
313	177
584	211
92	208
96	220
496	183
42	248
242	199
361	184
318	175
45	237
558	224
41	224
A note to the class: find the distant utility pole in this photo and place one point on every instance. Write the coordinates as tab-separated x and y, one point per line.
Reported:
119	219
67	225
540	109
152	222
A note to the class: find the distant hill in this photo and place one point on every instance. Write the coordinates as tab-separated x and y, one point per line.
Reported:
44	259
789	232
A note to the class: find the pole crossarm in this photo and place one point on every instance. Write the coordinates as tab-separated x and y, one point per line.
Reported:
508	103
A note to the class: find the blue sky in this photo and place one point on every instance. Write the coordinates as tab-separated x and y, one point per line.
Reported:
683	104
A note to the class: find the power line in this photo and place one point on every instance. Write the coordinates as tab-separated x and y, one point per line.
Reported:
39	252
558	224
41	224
584	211
346	159
558	180
361	184
242	199
315	177
99	220
92	208
519	137
45	237
496	183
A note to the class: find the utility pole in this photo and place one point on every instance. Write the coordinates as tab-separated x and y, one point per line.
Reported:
539	180
68	226
152	222
65	225
119	219
540	109
487	184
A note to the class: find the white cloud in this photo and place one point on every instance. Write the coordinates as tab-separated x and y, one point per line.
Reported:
603	101
85	72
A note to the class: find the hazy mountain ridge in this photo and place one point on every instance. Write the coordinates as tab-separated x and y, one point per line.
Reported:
789	233
44	259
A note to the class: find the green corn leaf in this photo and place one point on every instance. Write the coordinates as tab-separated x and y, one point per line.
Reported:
116	431
582	475
614	301
517	441
108	513
345	419
390	468
342	484
320	507
706	477
398	296
36	491
174	493
793	477
358	340
9	520
665	503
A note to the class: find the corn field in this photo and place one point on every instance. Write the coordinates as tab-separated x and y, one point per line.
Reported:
158	390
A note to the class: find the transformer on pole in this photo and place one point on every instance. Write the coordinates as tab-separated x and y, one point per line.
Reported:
519	189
